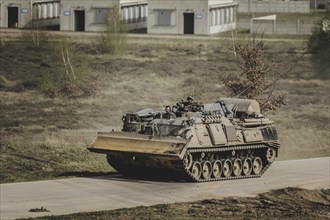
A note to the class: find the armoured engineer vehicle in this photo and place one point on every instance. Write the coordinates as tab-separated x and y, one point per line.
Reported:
227	139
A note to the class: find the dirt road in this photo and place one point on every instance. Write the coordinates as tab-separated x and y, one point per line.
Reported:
112	192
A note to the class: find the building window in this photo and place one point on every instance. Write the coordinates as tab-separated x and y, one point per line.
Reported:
124	14
100	15
135	13
234	14
231	18
225	12
212	17
145	12
220	16
164	17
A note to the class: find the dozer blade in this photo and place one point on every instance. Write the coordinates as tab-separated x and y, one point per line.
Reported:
136	143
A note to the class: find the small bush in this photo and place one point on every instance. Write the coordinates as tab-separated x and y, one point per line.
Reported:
253	82
318	45
36	35
71	77
114	39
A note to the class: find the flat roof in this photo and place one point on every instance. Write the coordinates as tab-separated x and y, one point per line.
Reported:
226	4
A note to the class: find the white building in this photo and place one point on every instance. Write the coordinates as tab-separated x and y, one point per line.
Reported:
19	13
201	17
89	15
71	15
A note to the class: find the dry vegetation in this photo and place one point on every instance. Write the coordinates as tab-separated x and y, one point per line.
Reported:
44	138
288	203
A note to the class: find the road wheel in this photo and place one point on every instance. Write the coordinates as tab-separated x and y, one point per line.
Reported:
271	154
237	167
217	169
187	161
256	165
207	169
196	170
247	167
227	167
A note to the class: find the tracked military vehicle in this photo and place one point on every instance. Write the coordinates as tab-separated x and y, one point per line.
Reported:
227	139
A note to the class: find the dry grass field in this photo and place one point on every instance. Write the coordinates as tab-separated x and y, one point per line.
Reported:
43	138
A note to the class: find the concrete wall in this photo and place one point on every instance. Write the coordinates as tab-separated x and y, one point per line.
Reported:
300	26
302	6
222	28
294	26
23	17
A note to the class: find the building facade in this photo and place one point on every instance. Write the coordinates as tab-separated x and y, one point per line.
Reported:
85	15
201	17
89	15
69	15
15	13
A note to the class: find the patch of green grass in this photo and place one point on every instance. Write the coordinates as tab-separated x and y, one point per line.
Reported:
27	162
6	84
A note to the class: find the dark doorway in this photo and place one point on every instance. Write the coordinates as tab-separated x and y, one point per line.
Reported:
12	17
188	23
79	20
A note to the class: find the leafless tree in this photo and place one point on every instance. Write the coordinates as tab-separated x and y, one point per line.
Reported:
255	81
114	38
72	76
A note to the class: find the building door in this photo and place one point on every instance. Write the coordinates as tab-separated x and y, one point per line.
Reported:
79	20
188	23
12	17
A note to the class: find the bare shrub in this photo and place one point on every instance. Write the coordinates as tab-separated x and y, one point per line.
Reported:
253	82
72	76
36	36
113	39
318	45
